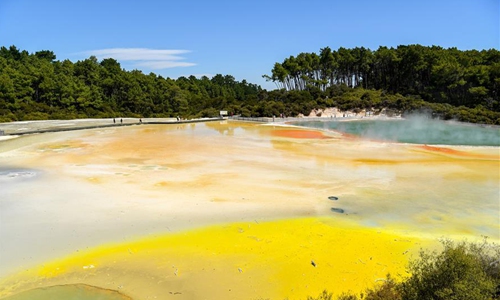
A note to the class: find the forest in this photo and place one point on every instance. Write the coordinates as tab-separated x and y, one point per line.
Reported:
446	83
449	82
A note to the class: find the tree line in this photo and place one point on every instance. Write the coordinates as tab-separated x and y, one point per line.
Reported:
37	86
448	83
435	74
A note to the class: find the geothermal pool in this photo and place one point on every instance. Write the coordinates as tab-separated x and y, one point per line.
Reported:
414	130
230	210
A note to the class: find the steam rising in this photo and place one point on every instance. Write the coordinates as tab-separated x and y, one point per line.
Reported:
416	129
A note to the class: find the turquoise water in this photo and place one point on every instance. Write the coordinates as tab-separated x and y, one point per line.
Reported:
69	292
414	131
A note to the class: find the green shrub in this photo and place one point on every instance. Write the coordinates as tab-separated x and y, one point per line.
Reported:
460	271
347	296
36	116
323	296
387	291
209	113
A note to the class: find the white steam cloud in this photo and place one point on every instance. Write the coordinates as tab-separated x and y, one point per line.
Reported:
415	129
155	59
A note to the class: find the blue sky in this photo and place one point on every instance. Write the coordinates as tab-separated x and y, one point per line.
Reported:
240	38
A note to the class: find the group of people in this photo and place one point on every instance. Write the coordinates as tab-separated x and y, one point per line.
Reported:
121	121
140	120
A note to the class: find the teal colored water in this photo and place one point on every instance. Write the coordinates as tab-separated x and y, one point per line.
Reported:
414	131
69	292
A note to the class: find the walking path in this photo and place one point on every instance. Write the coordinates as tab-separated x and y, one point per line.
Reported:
31	127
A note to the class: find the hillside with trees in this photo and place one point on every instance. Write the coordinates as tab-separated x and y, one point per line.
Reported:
449	83
37	86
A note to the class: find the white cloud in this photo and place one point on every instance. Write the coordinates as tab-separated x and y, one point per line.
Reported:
164	64
142	57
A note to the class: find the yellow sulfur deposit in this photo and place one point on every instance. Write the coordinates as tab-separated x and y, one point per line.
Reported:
277	260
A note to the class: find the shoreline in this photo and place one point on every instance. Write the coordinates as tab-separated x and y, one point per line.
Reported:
44	126
18	128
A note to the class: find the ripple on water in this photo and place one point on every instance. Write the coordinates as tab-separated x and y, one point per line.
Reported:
8	175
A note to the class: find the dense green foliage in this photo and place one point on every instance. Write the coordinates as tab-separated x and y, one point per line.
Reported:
460	271
451	84
36	86
419	77
435	74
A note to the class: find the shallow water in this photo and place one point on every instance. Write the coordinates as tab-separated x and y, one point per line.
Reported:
13	175
68	292
108	187
415	130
